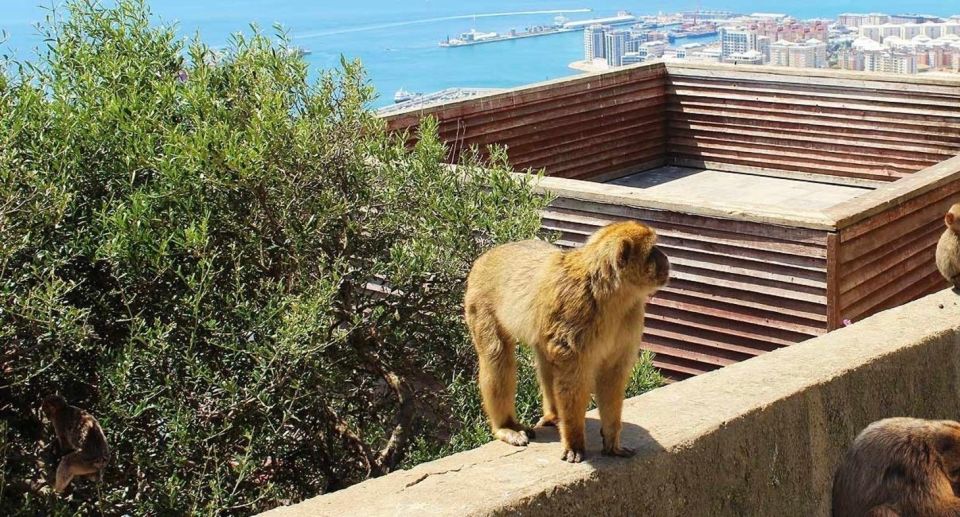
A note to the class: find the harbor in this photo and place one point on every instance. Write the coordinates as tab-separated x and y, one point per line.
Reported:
561	25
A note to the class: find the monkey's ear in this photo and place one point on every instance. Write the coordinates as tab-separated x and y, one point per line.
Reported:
949	219
625	253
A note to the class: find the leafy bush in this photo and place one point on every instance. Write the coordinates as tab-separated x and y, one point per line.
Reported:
254	287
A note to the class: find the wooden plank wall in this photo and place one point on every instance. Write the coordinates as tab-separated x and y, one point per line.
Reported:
888	259
877	130
588	127
737	289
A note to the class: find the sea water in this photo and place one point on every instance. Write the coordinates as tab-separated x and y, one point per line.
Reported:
398	40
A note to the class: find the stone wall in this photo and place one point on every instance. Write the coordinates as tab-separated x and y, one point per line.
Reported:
761	437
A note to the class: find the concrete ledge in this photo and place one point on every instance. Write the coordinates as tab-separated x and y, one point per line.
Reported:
761	437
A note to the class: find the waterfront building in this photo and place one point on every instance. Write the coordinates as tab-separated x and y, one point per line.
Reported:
807	54
859	20
652	50
780	53
914	18
594	42
763	47
850	59
705	55
631	58
616	45
909	31
735	41
791	30
750	57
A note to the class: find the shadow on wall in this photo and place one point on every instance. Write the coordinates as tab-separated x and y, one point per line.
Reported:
632	437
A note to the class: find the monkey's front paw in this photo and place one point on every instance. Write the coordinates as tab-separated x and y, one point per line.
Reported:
518	438
573	456
620	452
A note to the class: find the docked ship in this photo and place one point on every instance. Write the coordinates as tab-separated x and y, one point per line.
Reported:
693	31
472	37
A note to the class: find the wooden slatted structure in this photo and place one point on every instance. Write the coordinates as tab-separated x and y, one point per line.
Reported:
745	280
865	127
588	127
735	291
886	242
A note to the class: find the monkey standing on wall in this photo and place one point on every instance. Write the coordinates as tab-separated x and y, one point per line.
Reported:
900	467
948	248
79	432
582	313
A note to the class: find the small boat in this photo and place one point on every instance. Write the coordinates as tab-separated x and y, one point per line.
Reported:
404	96
299	51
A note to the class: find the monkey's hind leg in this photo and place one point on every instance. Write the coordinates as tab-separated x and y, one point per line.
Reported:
545	378
498	377
73	464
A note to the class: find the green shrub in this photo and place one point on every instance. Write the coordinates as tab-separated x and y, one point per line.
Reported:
188	243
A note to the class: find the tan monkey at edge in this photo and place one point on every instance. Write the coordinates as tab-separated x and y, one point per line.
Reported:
581	311
948	248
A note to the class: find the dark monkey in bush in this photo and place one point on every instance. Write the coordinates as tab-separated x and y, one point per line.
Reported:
77	432
582	313
900	467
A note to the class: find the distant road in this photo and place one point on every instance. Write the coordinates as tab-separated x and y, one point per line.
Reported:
363	28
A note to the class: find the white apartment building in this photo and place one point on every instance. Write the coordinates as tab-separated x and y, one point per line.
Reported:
736	41
807	54
616	46
594	43
908	31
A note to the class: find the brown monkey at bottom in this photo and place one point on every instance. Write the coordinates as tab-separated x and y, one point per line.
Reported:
582	313
78	432
900	467
948	247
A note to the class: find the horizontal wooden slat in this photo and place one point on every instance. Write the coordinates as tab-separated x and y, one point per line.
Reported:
741	284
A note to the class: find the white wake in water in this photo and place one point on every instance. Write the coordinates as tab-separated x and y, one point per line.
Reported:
348	30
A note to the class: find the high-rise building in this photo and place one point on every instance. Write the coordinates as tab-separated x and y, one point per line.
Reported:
780	53
807	54
594	43
763	47
736	41
616	46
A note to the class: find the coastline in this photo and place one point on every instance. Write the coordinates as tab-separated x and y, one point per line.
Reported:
597	65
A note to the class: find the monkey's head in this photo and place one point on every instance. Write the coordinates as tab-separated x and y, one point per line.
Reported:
624	255
947	445
52	404
952	219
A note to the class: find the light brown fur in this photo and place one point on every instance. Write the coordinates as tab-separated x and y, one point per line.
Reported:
79	434
582	313
948	248
903	467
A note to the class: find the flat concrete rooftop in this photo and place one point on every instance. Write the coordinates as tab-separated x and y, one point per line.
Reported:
746	191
